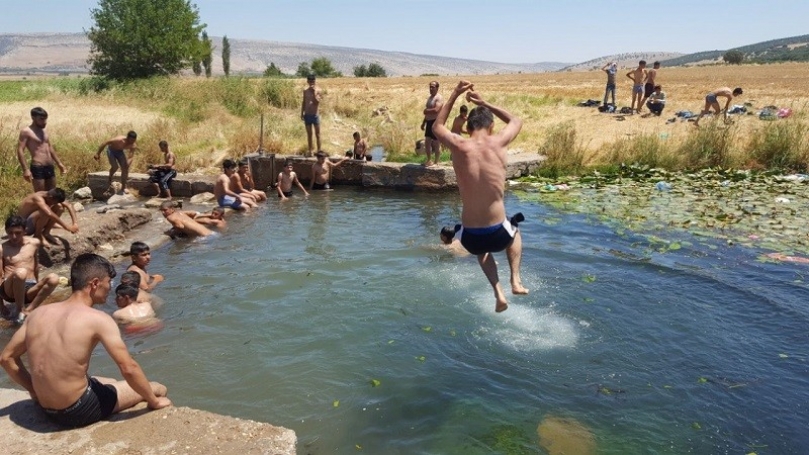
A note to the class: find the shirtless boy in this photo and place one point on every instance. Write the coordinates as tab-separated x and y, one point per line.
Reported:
638	76
59	340
116	148
711	102
42	210
130	278
225	196
431	109
247	182
248	198
309	115
130	309
286	179
321	172
182	224
141	256
360	147
161	175
41	172
611	69
214	219
459	124
649	87
480	167
19	272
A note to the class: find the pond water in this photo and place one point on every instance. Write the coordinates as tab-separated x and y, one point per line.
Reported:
340	317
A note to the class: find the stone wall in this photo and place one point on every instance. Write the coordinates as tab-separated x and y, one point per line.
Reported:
184	185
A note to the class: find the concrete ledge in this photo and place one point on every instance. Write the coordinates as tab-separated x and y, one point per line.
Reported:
179	430
184	185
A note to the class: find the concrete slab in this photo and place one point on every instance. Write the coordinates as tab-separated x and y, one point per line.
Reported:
175	430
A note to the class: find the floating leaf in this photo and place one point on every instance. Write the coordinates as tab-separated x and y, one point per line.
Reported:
783	356
452	332
427	329
588	278
589	299
375	383
696	426
674	246
357	446
391	341
421	358
702	380
336	403
667	387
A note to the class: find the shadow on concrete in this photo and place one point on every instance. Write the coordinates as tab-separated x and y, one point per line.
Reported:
28	415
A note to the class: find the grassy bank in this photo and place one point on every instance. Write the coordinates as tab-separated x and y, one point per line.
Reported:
205	120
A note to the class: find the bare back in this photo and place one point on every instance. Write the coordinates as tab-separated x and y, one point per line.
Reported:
480	167
221	185
60	339
184	223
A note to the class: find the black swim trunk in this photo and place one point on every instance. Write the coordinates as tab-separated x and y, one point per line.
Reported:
428	129
489	239
287	193
319	186
10	298
42	171
163	177
648	89
97	403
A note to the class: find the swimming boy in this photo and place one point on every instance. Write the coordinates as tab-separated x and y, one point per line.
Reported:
247	181
480	167
131	278
638	76
161	175
182	224
130	309
321	172
214	219
42	210
225	196
712	102
309	111
141	256
41	172
116	156
60	339
286	179
19	272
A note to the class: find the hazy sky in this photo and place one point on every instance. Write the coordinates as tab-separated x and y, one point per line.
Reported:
510	31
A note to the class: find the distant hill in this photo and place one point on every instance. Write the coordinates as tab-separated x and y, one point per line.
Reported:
626	60
68	52
795	49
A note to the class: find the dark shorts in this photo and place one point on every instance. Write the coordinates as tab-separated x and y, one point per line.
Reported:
286	194
30	225
163	177
489	239
318	186
10	298
710	98
229	201
648	89
311	119
97	403
42	171
116	157
428	129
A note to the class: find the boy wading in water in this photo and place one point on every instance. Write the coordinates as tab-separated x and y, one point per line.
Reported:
480	167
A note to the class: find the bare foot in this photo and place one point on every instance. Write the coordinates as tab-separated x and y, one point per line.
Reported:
501	306
518	289
428	163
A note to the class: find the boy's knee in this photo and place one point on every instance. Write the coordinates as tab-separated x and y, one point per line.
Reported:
52	280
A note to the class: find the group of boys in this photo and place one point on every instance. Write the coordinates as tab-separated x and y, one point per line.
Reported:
645	91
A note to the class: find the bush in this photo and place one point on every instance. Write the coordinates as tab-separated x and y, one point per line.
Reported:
780	145
280	93
238	95
563	155
710	145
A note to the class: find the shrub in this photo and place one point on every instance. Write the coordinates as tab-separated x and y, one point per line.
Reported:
780	145
280	93
563	155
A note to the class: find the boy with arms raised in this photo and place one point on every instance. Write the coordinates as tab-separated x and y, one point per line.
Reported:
480	167
59	340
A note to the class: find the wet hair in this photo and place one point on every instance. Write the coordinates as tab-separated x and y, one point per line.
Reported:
737	91
126	290
88	266
167	205
464	109
479	118
38	112
228	164
15	221
138	248
656	64
448	233
320	154
163	144
218	210
642	62
130	278
132	135
57	194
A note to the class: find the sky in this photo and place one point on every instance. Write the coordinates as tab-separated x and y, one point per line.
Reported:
507	31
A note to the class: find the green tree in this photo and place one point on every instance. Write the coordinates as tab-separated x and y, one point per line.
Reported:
207	54
226	55
321	66
273	71
196	66
133	39
361	71
733	57
303	70
376	70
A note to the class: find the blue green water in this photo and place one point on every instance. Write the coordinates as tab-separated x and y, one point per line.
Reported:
340	317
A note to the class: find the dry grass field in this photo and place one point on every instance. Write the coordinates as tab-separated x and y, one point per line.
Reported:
207	119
